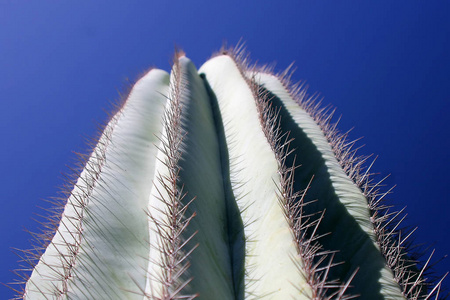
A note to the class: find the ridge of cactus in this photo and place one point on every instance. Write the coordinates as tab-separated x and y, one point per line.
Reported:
54	269
393	241
255	184
290	199
167	209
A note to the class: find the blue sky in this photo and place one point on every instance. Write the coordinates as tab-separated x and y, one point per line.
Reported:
384	65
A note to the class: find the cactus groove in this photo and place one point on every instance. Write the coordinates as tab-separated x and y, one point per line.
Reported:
226	182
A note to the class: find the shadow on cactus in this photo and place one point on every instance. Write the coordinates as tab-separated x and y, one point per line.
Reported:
226	182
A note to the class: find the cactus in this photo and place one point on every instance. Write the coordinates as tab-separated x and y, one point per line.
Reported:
224	183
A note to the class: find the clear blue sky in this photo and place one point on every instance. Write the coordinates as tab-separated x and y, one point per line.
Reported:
384	65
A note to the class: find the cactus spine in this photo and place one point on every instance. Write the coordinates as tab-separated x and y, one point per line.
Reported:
224	183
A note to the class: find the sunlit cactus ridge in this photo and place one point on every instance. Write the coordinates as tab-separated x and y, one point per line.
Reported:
227	182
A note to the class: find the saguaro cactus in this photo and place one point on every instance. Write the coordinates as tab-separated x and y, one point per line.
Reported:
224	183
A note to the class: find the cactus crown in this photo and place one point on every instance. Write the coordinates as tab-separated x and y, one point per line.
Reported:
229	182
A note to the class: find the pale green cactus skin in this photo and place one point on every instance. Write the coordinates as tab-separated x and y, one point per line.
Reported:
220	183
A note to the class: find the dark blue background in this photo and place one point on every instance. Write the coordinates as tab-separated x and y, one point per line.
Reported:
384	65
